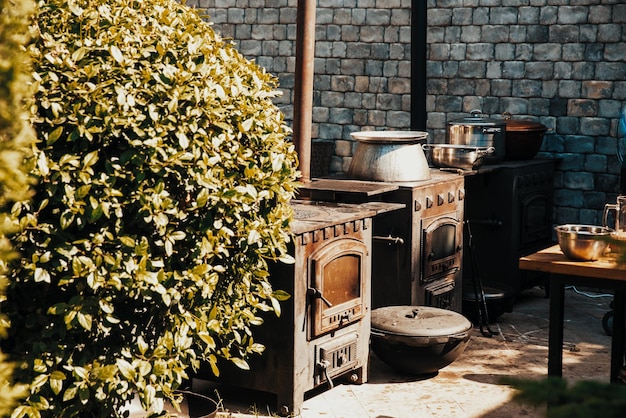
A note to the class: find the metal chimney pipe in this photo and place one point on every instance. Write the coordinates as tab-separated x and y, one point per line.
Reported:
303	88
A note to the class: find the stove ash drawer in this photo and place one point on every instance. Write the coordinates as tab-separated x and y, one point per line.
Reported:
336	357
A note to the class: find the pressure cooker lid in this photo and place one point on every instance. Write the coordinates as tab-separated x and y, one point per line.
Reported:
419	321
476	118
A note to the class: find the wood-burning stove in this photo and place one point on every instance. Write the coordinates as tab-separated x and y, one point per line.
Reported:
323	331
511	207
417	249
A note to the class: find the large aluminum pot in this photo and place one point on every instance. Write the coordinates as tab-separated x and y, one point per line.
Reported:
457	156
479	131
389	156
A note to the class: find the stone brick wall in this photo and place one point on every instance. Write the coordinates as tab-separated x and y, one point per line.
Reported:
362	61
560	62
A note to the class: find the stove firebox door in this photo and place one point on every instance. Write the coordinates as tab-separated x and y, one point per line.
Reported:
337	285
441	242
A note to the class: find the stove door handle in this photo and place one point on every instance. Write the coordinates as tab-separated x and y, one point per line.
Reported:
317	294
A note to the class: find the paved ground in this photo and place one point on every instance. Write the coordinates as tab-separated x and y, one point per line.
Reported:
469	387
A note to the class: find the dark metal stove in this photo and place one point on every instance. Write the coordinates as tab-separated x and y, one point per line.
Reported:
511	205
323	331
417	250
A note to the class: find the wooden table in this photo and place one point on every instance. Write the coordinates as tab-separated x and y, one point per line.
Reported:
600	274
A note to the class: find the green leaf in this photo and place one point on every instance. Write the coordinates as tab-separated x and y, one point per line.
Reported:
126	369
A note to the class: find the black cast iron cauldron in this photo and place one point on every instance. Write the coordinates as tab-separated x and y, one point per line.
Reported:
418	340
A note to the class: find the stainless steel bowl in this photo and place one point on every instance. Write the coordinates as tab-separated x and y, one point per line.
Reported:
583	242
457	156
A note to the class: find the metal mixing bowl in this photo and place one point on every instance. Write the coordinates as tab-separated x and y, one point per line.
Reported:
457	156
583	242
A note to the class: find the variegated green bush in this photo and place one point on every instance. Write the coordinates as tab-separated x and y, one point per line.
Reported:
165	175
16	138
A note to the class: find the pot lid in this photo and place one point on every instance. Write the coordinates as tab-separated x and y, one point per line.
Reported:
477	118
524	126
419	321
390	137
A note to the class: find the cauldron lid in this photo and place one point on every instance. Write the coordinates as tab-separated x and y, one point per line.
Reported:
419	321
525	126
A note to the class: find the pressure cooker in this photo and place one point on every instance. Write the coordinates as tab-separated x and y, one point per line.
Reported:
478	130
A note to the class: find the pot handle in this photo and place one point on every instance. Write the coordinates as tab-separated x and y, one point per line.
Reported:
489	150
476	112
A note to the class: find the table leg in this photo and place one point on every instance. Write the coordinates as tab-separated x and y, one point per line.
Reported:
617	342
555	336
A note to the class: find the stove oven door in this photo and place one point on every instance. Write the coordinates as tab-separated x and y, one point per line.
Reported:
442	239
338	274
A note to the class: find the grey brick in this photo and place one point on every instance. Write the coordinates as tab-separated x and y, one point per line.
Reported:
340	116
494	34
471	34
548	15
526	88
538	33
528	15
539	71
434	35
594	126
524	52
462	16
390	68
501	88
372	33
580	145
547	52
574	52
515	106
517	33
378	17
583	70
503	16
562	70
588	33
539	106
569	88
450	69
480	16
619	13
578	180
550	88
563	33
569	198
571	15
595	199
504	52
513	69
399	120
480	52
439	17
494	70
472	69
611	70
458	51
453	34
615	52
566	125
400	17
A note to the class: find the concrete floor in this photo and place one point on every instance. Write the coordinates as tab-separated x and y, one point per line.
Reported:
470	386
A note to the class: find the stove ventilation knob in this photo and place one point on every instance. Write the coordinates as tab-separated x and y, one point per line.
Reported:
450	197
440	200
429	202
